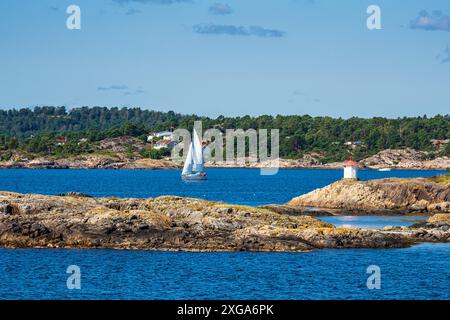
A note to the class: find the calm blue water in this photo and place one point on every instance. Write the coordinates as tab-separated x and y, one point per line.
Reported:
238	186
372	222
420	272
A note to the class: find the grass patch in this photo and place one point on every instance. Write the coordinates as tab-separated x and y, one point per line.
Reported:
442	179
237	207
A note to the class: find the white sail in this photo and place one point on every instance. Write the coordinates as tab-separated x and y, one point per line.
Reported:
193	166
197	153
187	169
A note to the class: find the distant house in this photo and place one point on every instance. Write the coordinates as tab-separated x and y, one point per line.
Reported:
164	135
82	141
161	144
60	141
353	144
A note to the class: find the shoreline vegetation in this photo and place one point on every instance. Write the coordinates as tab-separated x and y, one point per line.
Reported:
115	158
185	224
100	137
128	138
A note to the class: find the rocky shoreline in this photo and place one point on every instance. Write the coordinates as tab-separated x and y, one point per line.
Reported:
76	220
91	162
185	224
169	223
392	159
381	196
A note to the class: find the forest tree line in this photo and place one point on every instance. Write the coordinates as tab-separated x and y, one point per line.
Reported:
34	130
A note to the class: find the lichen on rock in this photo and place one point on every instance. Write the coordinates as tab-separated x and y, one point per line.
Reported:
168	223
393	195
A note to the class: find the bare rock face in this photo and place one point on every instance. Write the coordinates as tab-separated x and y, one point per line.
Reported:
168	223
405	159
435	229
151	164
296	211
440	218
310	160
380	196
352	238
93	161
121	144
123	153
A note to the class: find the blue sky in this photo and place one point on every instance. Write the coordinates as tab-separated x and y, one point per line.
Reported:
229	57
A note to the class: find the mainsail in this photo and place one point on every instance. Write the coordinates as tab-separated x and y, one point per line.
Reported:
197	153
187	169
194	158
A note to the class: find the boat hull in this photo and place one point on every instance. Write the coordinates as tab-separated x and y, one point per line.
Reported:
195	176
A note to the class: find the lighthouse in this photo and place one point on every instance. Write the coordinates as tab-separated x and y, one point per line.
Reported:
351	170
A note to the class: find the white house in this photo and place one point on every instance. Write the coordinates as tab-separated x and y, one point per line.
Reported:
165	144
351	170
164	135
151	136
354	144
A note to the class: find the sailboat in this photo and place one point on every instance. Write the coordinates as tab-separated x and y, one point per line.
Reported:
193	166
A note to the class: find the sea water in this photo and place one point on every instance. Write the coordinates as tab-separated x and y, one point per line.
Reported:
419	272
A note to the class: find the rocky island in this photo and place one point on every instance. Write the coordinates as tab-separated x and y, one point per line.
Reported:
185	224
170	223
381	196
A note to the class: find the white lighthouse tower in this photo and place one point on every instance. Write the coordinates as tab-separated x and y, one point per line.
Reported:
351	170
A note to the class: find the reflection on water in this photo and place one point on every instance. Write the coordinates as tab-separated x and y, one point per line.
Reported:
373	222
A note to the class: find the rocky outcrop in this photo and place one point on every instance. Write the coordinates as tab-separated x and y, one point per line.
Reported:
120	144
435	229
123	153
93	161
381	196
405	159
310	160
296	211
169	223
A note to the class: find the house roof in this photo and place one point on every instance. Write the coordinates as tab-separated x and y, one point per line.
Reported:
165	142
351	163
164	133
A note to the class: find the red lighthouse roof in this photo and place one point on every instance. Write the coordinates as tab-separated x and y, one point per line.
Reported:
351	163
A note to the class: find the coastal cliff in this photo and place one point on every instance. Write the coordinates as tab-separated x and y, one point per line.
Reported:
420	195
169	223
